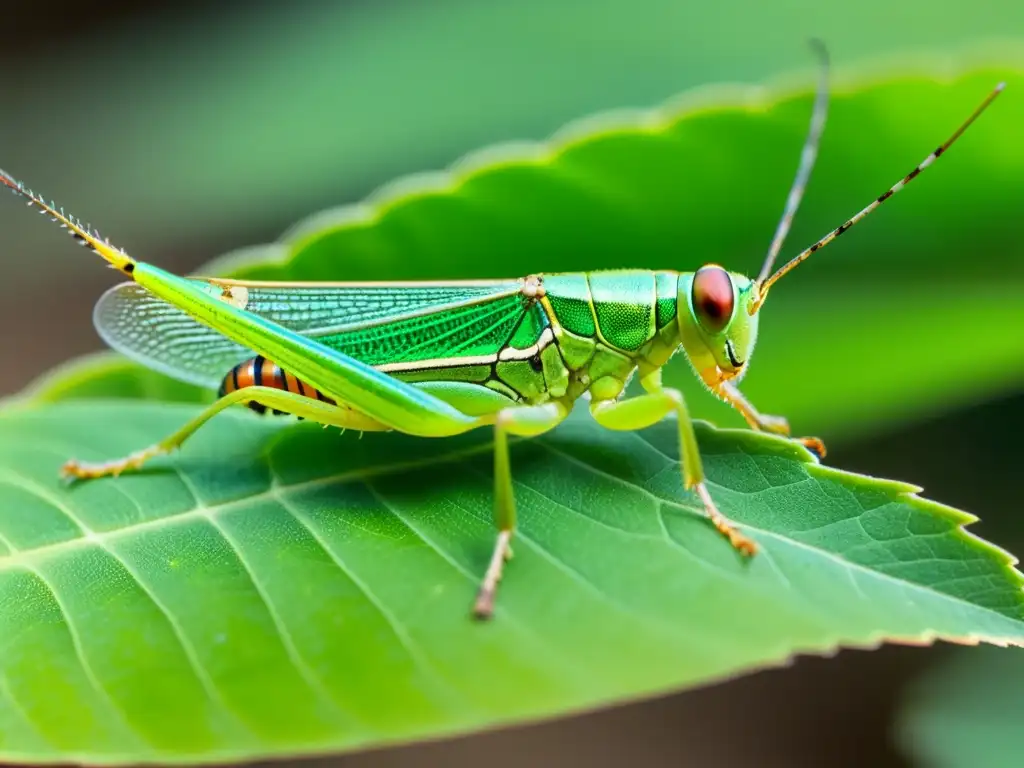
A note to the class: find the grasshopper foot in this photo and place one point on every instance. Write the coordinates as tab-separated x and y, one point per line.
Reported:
814	445
483	608
82	470
741	543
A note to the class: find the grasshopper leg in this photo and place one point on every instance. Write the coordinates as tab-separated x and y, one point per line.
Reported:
764	422
529	421
314	410
643	411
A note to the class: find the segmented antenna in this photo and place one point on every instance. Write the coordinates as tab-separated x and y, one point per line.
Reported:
808	155
763	287
82	233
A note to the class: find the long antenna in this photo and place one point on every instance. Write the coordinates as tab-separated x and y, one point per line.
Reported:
767	284
83	233
808	155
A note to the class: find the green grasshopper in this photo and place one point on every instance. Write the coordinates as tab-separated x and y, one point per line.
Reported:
435	359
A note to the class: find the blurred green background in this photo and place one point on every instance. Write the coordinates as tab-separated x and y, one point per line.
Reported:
188	129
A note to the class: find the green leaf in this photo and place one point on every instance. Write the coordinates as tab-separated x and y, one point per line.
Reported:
284	591
966	713
888	324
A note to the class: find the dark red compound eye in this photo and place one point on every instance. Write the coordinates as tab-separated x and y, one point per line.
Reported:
713	298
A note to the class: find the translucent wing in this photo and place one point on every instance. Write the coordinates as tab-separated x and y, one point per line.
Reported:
166	339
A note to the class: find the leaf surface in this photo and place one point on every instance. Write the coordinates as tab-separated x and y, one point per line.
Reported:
282	590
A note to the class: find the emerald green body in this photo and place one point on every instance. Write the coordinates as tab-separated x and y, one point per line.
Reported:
579	329
557	337
549	337
478	346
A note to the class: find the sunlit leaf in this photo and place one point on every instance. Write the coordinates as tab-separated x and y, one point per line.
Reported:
286	590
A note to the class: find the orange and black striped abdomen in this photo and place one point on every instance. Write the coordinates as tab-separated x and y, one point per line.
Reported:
260	372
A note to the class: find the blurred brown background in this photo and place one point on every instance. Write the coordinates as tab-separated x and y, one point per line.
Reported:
187	129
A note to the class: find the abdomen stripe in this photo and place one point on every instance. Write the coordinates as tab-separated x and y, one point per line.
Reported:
260	372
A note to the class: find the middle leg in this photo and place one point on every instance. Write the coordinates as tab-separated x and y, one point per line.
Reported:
643	411
526	421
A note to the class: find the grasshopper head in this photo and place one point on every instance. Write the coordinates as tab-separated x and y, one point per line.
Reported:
716	328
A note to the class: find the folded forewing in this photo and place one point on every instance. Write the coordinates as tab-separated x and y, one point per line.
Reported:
361	319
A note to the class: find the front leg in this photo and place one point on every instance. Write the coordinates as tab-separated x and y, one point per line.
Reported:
643	411
763	422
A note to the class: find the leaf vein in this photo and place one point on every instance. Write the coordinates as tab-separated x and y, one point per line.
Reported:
19	708
90	674
398	629
295	657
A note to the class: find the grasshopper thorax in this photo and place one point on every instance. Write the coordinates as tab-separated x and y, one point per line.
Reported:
715	327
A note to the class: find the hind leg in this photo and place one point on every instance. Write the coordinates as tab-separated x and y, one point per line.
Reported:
281	400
